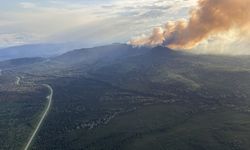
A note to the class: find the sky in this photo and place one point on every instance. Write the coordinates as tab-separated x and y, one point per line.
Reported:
89	22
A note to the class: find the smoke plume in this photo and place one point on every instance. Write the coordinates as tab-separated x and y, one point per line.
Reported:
210	18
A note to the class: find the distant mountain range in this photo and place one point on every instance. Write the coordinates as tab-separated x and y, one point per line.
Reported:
117	60
35	50
57	56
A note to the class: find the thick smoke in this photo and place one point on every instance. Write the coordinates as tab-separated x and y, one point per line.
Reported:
209	18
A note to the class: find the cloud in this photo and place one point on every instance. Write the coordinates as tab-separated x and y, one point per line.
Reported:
12	39
27	5
64	20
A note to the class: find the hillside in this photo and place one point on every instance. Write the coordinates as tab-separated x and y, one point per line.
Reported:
122	97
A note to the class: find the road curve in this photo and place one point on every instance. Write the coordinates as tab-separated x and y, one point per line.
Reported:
49	97
18	80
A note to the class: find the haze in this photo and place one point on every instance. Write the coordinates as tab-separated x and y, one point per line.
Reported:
89	23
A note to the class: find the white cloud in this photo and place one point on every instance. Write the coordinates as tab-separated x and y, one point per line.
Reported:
27	5
115	21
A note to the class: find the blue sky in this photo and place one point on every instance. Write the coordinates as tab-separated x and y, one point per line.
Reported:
91	22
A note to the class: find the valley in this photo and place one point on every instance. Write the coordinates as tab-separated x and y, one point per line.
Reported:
121	97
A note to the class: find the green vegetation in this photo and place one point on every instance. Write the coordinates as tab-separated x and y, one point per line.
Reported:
154	99
20	108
